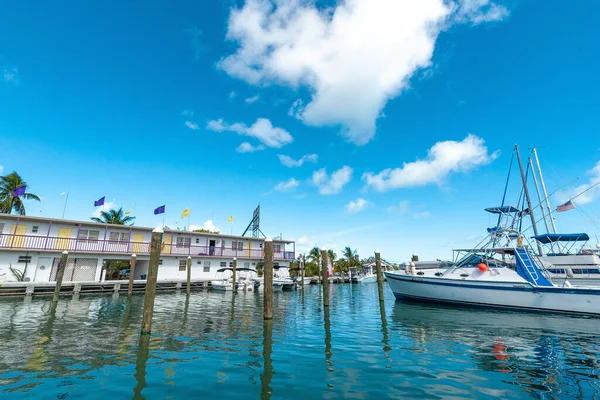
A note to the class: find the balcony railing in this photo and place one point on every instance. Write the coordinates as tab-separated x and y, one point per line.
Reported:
50	243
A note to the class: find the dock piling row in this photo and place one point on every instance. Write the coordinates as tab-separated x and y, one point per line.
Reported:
155	248
325	279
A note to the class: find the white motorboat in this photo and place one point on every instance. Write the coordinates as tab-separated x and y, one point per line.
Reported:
223	280
245	280
526	287
281	276
259	283
307	281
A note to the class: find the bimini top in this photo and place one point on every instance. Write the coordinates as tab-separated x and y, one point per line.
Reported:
225	269
502	210
561	237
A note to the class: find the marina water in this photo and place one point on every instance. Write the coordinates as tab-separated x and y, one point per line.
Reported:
210	344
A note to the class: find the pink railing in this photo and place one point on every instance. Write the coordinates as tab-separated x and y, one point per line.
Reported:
31	242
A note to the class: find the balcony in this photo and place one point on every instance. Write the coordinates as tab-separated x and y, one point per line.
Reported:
105	246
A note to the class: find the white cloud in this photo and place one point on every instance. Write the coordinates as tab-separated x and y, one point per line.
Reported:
443	158
357	205
353	57
287	186
232	94
592	193
11	75
290	162
421	215
208	225
262	130
333	184
302	240
192	125
248	148
401	208
187	113
108	205
252	99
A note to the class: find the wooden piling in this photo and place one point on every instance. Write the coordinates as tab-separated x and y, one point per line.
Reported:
155	247
59	274
268	279
379	276
324	278
189	274
234	277
131	274
302	272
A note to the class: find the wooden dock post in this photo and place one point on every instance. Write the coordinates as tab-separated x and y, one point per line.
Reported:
155	247
131	274
325	278
302	272
234	274
189	274
59	274
268	279
379	275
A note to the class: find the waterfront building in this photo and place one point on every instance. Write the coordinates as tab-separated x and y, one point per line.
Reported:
34	245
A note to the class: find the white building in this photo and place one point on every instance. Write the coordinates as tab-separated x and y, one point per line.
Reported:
35	244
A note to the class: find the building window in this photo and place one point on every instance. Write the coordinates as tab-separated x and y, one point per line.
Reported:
119	237
159	262
34	229
183	242
182	265
88	235
240	245
223	264
199	262
231	264
24	259
277	248
246	265
206	266
197	240
233	245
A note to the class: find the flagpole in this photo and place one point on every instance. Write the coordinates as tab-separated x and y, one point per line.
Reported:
65	207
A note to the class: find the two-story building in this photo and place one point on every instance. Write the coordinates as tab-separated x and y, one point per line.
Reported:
34	245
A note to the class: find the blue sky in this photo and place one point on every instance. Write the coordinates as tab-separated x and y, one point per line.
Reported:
149	103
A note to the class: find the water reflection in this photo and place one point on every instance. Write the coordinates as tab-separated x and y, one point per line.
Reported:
267	375
386	337
38	359
540	353
140	366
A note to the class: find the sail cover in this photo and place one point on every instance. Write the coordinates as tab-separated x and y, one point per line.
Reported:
561	237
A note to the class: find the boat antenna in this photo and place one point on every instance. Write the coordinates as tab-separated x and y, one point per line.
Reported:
543	184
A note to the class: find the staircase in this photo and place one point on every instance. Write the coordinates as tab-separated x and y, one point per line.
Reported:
527	269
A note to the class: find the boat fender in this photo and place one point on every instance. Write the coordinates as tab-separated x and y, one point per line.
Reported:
482	267
569	271
567	284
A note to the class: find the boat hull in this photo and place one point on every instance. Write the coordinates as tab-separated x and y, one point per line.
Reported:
222	287
495	294
369	279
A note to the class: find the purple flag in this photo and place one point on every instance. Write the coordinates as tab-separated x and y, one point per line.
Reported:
20	191
99	202
159	210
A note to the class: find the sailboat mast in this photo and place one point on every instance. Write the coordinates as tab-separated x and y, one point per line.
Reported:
537	190
537	163
526	190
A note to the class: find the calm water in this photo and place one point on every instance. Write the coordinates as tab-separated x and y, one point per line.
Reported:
208	346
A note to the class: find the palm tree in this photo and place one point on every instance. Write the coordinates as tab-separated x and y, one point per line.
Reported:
116	217
349	255
331	255
9	202
315	255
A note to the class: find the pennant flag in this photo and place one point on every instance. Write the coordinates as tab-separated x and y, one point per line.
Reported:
565	207
19	191
99	202
159	210
230	219
128	212
185	213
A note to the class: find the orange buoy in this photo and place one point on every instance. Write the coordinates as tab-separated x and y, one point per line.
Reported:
482	267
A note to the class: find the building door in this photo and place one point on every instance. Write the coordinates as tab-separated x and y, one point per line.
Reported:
211	248
167	240
42	270
64	238
18	235
138	238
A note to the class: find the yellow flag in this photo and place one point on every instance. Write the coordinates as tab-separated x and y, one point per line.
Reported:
230	219
185	213
128	212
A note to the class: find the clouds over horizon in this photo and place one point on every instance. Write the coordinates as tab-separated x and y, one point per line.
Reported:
443	159
208	225
591	192
357	205
287	186
353	57
290	162
262	129
332	184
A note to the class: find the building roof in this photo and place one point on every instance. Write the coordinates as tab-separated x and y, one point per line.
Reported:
127	227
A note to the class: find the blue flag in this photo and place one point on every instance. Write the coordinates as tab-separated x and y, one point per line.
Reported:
20	191
159	210
99	202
